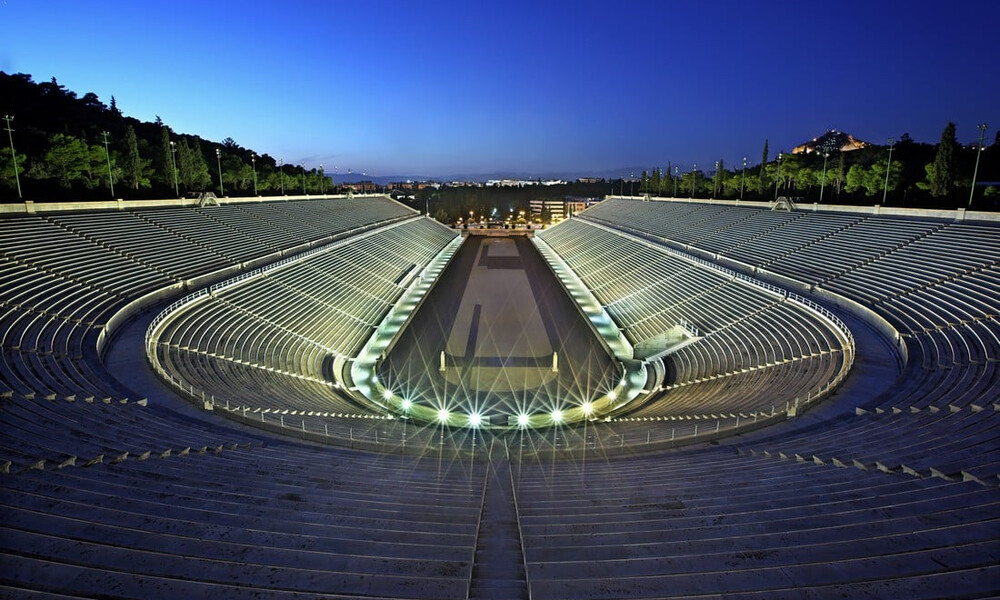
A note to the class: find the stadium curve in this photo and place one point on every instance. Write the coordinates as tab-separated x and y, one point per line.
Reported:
117	485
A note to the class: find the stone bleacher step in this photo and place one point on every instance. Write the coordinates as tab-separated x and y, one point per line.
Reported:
498	568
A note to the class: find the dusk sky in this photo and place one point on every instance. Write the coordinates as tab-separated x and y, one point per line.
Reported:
466	87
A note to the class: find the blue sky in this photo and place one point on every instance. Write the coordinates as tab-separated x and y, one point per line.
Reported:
449	87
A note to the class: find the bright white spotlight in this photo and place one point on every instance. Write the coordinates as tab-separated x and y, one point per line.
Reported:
587	408
475	420
407	404
522	420
557	416
612	395
443	415
387	395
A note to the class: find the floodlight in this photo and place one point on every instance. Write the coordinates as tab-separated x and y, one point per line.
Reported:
522	420
557	415
475	419
443	415
612	395
587	408
387	395
407	404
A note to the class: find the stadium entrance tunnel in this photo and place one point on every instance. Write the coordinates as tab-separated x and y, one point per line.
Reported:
497	343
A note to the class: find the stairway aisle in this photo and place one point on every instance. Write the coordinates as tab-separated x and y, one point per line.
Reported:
498	571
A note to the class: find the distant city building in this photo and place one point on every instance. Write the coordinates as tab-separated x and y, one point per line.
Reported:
361	186
413	185
831	141
548	210
522	182
590	180
576	204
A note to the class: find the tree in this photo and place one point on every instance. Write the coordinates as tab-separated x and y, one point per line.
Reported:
839	174
872	178
67	159
941	173
7	173
720	170
135	168
195	168
166	161
763	157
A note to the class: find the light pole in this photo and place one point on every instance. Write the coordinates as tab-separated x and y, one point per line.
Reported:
694	174
677	171
885	189
173	166
218	159
13	155
303	180
743	182
822	182
715	181
281	174
777	178
253	164
322	177
982	134
107	153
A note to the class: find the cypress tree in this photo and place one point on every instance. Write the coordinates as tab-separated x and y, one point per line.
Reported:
941	175
133	161
762	176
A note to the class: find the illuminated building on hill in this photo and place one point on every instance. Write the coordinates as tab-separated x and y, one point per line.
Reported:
831	141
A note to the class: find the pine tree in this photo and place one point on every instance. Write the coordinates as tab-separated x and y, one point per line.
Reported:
941	173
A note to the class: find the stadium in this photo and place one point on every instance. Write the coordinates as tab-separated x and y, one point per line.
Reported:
340	397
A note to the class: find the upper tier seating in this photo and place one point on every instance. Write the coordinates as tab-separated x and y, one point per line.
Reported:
749	335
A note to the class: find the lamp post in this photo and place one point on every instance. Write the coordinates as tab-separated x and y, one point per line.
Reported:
303	180
322	177
885	189
173	166
13	155
677	171
218	159
281	174
982	134
694	175
777	178
822	182
107	153
253	164
715	181
743	181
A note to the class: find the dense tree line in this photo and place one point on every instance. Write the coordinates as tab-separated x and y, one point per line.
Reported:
919	175
80	148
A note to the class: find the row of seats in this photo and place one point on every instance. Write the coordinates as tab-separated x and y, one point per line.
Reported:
66	274
282	329
934	281
741	327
